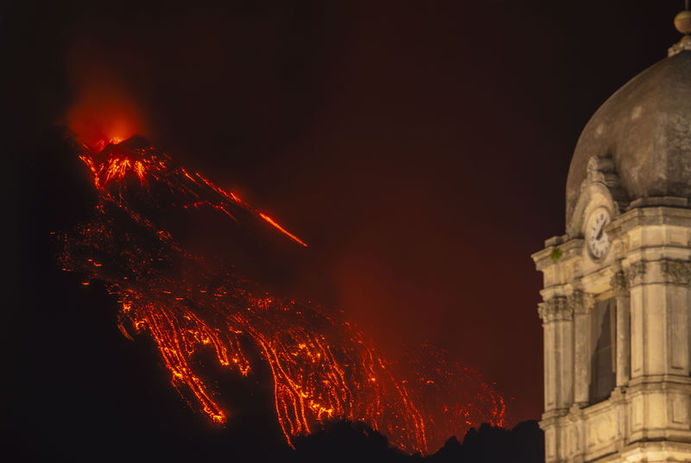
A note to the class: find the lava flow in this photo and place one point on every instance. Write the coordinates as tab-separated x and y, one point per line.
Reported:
323	367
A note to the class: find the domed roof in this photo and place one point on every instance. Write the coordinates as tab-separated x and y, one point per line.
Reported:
645	128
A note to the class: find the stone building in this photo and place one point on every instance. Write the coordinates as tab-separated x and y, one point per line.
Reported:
617	293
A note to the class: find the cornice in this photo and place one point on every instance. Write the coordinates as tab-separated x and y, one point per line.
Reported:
568	250
652	215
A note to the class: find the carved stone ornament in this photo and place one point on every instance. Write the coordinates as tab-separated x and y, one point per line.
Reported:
683	44
555	309
579	301
600	187
635	273
601	169
620	284
676	271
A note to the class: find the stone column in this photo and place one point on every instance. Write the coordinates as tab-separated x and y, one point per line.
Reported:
580	303
557	322
623	340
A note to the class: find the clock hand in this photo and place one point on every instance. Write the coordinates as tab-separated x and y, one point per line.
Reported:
599	235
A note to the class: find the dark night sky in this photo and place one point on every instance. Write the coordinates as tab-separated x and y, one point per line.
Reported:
420	148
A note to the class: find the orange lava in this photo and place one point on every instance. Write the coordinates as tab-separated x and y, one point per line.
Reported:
323	367
281	229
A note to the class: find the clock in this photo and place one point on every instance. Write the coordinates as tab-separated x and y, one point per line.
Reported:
595	236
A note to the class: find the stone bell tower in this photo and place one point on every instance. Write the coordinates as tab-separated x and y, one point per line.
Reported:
617	292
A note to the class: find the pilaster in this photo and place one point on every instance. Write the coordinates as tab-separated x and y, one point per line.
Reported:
557	321
581	304
623	342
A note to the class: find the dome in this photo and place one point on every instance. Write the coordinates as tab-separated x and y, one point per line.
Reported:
645	129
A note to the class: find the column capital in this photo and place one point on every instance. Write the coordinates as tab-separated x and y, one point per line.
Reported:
555	309
620	284
661	271
635	273
580	301
676	271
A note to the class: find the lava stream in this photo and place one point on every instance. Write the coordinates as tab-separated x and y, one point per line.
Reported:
323	368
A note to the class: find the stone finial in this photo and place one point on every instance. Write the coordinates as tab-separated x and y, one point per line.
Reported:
682	21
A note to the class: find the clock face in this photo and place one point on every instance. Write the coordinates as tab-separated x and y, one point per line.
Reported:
597	239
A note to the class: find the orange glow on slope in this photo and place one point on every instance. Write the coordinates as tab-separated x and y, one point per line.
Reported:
322	366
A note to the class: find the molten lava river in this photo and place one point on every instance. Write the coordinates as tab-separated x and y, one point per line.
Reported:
323	367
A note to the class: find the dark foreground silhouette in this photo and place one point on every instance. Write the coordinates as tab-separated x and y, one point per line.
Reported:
353	442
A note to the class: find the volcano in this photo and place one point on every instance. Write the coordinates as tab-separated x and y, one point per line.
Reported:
197	299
